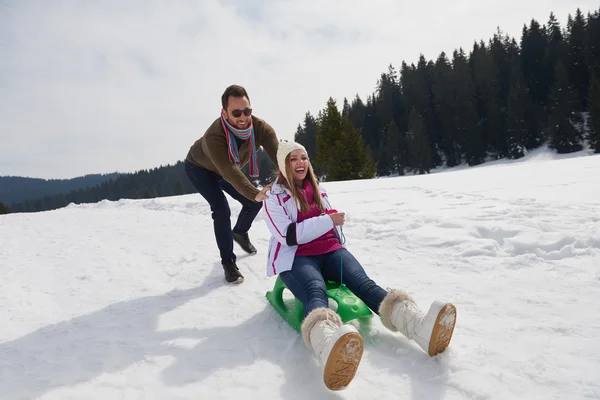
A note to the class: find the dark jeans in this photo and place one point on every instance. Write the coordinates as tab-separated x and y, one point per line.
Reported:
211	186
306	279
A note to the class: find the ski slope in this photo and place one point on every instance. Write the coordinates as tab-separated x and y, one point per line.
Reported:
126	300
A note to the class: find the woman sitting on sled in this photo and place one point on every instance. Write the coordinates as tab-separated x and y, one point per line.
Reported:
305	249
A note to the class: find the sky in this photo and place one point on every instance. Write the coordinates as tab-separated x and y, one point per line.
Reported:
98	87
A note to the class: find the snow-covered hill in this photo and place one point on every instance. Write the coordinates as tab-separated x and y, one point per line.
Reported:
126	300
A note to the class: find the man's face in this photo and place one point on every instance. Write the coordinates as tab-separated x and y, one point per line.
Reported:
235	112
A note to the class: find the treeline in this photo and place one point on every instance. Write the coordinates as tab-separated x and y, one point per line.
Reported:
162	181
500	100
15	189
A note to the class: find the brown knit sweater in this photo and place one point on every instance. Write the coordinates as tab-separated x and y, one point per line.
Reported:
210	152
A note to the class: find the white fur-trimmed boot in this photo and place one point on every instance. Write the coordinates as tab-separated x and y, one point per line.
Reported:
338	347
431	331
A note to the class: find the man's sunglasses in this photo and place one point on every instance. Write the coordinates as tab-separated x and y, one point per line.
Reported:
238	113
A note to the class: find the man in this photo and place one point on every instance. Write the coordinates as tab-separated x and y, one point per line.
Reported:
213	166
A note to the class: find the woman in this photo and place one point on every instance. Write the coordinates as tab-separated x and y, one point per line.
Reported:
306	248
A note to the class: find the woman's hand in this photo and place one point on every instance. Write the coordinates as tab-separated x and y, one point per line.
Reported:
338	218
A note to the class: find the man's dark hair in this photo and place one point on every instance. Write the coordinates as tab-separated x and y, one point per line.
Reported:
235	91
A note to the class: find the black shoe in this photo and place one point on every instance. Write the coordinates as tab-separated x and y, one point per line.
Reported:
232	273
244	242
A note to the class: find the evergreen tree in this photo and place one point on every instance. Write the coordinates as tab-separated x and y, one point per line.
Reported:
3	209
577	68
417	88
329	134
300	135
464	111
346	107
420	159
351	161
486	77
499	48
593	133
555	50
516	124
388	105
369	169
341	151
306	134
592	43
564	137
533	49
372	123
354	155
534	41
444	98
357	113
425	76
395	152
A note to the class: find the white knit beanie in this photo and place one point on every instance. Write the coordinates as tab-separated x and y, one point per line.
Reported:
283	150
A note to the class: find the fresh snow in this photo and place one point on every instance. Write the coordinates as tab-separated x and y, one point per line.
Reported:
126	299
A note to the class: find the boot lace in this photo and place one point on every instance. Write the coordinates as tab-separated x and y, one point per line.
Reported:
411	318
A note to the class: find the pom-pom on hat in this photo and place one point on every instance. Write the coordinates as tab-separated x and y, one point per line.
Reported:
285	148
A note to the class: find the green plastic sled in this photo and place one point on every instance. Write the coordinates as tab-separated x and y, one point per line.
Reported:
349	306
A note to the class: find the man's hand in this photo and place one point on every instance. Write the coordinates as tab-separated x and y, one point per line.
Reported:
260	196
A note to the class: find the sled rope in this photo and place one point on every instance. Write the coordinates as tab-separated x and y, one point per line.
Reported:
342	284
343	240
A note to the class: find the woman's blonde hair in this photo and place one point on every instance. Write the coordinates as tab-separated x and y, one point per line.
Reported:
299	197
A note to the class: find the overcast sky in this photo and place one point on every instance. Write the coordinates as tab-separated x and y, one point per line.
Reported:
122	85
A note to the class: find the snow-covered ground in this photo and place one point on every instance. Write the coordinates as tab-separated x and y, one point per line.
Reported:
126	300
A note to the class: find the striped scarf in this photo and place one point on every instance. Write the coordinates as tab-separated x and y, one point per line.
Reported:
243	134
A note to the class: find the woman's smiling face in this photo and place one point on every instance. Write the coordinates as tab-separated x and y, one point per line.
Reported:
298	164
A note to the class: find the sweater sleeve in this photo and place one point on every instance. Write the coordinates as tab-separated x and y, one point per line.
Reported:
217	151
278	221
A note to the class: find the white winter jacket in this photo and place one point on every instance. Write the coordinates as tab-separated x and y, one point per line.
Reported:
280	210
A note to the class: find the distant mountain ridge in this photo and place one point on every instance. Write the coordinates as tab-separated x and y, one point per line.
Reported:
16	189
163	181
